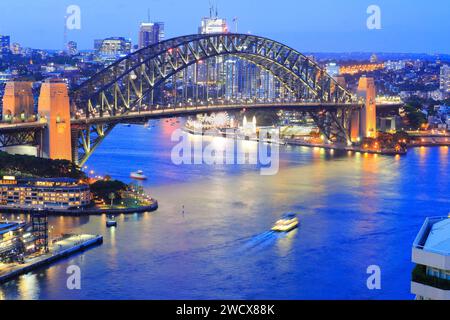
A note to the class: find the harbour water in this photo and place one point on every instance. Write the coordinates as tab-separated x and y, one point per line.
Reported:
210	237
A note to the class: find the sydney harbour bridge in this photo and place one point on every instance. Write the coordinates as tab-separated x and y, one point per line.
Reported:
71	124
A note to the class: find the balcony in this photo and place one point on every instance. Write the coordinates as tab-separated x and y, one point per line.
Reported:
429	287
420	275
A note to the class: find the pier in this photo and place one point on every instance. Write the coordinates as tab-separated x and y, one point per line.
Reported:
62	248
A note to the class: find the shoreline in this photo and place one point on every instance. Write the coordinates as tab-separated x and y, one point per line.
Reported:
85	212
344	148
305	144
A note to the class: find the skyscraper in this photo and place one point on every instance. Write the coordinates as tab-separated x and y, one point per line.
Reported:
213	71
332	69
114	46
16	48
72	48
211	25
150	33
445	79
4	44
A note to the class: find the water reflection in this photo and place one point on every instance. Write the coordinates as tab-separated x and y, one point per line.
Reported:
355	210
285	242
28	286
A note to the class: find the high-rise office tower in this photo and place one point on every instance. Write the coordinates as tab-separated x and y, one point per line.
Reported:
16	48
332	69
445	79
114	46
5	42
213	71
72	48
211	25
150	33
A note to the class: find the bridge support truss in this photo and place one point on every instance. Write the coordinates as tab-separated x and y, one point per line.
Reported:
86	138
129	84
32	136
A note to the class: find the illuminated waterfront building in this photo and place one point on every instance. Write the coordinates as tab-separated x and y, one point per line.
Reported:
15	237
150	33
431	254
59	193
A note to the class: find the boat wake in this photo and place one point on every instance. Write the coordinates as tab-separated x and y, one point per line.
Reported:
261	240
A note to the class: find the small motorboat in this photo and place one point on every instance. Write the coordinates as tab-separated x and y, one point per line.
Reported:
111	222
138	175
287	223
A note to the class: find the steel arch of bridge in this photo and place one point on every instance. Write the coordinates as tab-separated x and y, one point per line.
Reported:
129	81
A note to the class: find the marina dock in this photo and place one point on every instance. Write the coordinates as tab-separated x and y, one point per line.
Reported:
60	249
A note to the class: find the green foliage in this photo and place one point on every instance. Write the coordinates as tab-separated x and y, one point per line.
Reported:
415	117
18	165
103	189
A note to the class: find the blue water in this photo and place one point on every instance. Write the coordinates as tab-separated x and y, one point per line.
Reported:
355	211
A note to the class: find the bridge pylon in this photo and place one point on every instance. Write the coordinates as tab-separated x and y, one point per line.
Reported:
364	122
18	101
54	106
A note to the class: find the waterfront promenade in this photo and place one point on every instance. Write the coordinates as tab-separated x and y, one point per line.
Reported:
296	142
65	247
153	206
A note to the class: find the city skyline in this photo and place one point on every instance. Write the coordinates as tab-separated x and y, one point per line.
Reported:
311	33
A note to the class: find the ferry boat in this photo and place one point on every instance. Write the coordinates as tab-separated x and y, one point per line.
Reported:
138	175
287	223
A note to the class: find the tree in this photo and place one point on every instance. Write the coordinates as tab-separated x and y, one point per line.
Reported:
112	196
102	189
415	117
20	165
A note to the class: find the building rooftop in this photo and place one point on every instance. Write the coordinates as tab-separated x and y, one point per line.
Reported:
438	239
6	227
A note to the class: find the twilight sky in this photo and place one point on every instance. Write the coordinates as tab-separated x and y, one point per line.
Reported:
306	25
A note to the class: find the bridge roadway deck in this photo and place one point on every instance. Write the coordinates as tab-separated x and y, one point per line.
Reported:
190	110
178	111
10	127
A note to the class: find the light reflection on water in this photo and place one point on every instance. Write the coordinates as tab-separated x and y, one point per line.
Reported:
355	210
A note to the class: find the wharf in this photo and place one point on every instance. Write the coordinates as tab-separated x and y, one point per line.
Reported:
63	248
